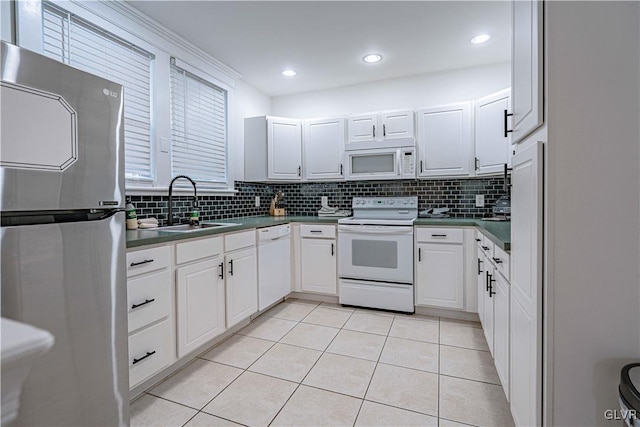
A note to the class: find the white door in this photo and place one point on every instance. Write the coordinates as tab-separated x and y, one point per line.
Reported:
200	303
526	67
492	140
397	124
284	144
526	286
242	285
501	330
319	266
324	141
487	304
445	140
440	275
481	284
362	128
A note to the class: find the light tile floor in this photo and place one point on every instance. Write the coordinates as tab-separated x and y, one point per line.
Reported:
315	364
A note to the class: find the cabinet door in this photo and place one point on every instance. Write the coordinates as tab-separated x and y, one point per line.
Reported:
324	149
501	330
440	275
200	304
319	266
362	128
492	142
444	140
284	143
242	285
481	285
488	305
397	124
526	67
526	286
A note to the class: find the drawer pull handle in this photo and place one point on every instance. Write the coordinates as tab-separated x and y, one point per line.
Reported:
332	250
486	248
490	286
497	260
419	254
478	240
439	235
149	354
146	261
147	301
315	231
231	267
479	266
221	275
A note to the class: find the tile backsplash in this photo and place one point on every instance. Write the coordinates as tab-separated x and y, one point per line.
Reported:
304	198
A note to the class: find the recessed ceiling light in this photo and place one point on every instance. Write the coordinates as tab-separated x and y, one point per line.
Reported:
372	58
480	38
289	73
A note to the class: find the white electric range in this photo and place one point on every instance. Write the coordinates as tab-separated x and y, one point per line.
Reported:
375	266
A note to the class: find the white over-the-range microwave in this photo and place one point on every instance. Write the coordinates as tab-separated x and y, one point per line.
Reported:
380	160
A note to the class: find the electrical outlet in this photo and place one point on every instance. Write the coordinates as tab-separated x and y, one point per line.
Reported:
479	200
325	201
257	201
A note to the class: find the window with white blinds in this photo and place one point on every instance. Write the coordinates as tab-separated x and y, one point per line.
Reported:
82	45
198	128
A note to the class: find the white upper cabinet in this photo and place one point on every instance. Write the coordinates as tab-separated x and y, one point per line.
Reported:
397	124
526	67
381	126
324	149
492	139
445	140
363	128
273	149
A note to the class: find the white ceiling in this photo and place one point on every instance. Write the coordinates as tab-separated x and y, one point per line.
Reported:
325	41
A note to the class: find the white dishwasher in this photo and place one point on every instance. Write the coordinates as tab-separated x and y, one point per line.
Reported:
274	264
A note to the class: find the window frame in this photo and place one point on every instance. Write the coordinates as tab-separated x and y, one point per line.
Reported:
127	23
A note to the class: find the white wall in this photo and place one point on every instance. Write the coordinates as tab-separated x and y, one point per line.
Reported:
593	204
408	92
249	102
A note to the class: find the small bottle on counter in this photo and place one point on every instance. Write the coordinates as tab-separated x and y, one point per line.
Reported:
132	217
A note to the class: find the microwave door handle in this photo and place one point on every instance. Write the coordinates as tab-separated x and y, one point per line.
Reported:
398	163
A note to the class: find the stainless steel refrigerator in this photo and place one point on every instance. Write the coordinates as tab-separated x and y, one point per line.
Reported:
63	238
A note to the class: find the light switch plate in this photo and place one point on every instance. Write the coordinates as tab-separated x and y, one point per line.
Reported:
479	200
257	201
324	201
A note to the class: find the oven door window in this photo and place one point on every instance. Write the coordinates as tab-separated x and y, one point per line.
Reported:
372	253
373	163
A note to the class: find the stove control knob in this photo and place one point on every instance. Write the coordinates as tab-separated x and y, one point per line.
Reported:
391	202
413	202
405	202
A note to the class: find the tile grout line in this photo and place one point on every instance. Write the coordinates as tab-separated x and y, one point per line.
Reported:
374	370
309	371
439	370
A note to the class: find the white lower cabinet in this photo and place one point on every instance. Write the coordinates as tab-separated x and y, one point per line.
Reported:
150	351
501	330
319	266
439	273
241	285
200	303
494	306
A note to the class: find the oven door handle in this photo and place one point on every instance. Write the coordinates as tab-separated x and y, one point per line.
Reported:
364	229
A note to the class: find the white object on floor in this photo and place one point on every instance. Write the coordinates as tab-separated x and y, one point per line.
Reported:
21	345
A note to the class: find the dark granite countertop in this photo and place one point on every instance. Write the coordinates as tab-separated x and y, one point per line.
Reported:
498	232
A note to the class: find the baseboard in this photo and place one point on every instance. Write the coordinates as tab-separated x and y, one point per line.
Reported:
451	314
313	297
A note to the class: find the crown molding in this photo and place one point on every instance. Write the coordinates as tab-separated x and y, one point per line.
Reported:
139	18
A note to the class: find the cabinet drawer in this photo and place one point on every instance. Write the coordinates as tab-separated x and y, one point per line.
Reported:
147	260
198	249
240	240
149	352
149	299
502	261
318	231
440	235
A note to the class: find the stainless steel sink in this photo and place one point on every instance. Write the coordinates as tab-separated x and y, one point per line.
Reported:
188	228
